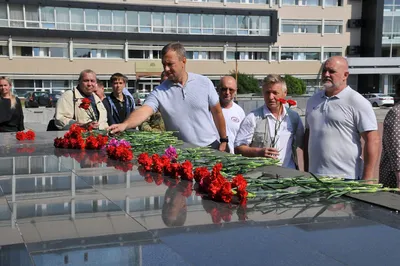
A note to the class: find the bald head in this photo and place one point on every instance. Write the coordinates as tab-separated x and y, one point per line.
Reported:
334	75
227	90
339	61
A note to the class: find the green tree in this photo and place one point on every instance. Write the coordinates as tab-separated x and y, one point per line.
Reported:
246	83
294	85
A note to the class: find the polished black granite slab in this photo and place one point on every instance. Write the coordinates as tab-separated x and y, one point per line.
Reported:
60	207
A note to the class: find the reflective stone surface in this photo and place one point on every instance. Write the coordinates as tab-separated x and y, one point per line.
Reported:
60	207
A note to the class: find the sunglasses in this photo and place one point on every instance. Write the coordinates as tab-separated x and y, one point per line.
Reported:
223	89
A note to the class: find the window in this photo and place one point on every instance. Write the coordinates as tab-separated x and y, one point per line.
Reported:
254	25
91	19
300	56
265	26
312	55
32	16
301	26
82	52
333	26
119	20
183	23
24	83
58	52
170	23
330	54
138	54
23	51
65	18
290	2
208	24
3	15
77	19
156	54
3	51
231	25
219	24
215	55
115	53
62	15
16	15
387	24
47	16
195	23
158	22
105	20
40	51
145	21
333	3
311	3
243	25
132	21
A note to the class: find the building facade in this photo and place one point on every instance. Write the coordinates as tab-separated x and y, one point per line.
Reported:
44	45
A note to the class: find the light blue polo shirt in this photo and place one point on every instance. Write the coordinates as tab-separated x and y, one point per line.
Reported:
187	108
335	124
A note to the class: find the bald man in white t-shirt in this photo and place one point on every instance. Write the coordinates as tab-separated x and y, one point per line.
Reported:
233	113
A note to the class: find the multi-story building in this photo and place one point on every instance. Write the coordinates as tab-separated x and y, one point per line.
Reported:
377	68
45	44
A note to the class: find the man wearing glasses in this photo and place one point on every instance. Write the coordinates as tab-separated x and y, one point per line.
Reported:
233	113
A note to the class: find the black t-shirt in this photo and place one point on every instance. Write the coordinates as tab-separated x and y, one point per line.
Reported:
120	106
11	120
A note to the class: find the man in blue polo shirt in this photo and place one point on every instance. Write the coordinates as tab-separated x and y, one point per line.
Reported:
184	101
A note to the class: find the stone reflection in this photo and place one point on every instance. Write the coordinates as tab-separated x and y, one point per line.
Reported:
174	209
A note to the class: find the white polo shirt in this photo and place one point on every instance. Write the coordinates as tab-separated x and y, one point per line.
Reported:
187	108
233	117
335	125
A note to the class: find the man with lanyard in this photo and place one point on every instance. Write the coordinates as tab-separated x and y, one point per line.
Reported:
272	131
185	101
120	104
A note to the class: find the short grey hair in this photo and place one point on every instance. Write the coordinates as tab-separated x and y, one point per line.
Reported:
177	47
272	79
86	71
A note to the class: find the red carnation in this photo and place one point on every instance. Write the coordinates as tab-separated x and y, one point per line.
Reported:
158	165
85	104
200	173
92	143
187	171
20	135
145	161
226	192
30	135
281	100
291	102
173	170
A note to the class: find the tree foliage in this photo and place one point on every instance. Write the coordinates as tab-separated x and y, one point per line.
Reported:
294	85
246	83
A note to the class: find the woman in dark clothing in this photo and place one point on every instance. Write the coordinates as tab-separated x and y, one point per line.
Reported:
11	115
389	169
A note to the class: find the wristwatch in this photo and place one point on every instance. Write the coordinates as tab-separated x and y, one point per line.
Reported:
224	139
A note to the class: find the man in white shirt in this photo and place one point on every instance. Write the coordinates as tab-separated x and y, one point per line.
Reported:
233	113
336	120
272	130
